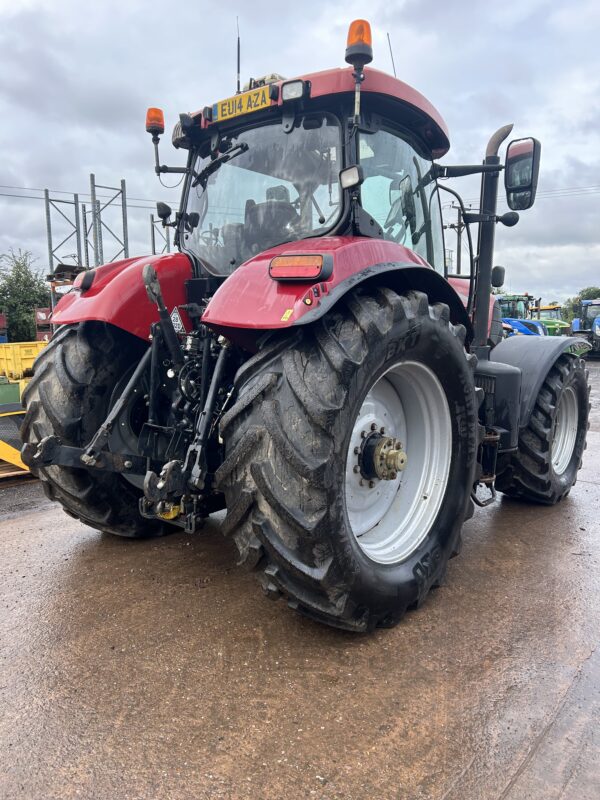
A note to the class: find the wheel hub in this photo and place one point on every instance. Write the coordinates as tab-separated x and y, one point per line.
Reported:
381	457
393	501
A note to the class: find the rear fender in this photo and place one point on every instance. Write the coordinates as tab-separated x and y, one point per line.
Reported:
115	293
250	302
535	356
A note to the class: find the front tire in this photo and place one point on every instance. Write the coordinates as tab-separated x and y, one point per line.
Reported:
296	507
551	447
69	396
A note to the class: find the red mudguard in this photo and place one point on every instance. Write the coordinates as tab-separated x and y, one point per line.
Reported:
249	300
118	295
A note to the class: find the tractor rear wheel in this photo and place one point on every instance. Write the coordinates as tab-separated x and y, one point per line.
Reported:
550	451
350	457
69	396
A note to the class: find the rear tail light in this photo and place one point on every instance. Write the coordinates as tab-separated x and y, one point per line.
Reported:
300	268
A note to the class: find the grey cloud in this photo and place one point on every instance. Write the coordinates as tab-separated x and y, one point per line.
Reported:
75	82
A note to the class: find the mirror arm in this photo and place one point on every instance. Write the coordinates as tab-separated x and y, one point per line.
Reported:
447	171
161	168
463	212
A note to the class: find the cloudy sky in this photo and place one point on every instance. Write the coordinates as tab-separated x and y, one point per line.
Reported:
75	81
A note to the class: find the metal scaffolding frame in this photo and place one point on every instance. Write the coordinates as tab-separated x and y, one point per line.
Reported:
52	204
88	228
98	225
157	226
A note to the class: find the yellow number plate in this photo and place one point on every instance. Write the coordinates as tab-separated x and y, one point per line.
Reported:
245	103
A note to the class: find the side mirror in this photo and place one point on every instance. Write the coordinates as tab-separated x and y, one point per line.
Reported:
521	171
402	201
498	274
163	212
192	220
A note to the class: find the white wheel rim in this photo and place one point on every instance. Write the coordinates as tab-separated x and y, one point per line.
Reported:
565	430
390	519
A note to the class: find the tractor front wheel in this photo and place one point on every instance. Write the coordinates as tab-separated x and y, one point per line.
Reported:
350	455
550	451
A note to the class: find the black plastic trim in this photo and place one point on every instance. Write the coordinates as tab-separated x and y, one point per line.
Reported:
535	357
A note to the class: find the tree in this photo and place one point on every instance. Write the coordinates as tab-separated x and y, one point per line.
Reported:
591	293
22	289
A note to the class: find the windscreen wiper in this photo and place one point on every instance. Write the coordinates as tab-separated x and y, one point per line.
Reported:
202	177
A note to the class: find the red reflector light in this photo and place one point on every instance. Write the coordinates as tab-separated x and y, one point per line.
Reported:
296	268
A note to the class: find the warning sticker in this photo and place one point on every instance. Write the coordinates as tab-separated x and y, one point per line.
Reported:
176	320
287	314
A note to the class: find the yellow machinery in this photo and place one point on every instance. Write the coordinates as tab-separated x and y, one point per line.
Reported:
16	358
16	362
11	416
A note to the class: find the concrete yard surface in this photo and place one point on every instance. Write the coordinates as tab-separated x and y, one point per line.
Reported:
158	669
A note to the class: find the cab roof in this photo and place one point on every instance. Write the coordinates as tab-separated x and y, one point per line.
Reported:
433	129
425	120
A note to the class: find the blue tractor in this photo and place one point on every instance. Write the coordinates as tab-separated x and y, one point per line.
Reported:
516	312
588	324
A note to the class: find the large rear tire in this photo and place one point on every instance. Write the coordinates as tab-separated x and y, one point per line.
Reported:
348	550
69	396
545	466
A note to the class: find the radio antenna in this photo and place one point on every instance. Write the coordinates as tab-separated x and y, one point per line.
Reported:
392	56
237	22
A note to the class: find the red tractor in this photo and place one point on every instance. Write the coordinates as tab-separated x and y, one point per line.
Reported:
303	360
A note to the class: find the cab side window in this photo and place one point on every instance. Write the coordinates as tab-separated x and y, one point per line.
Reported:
400	195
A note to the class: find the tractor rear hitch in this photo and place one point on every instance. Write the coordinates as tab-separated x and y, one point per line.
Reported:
51	451
176	476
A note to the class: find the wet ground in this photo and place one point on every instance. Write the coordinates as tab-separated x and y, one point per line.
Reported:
159	670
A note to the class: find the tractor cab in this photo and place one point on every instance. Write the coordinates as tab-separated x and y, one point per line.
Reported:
288	161
282	183
588	323
590	314
516	312
550	315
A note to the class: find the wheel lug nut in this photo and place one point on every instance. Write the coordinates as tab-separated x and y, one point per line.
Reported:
356	451
362	483
363	434
373	426
381	430
371	484
356	468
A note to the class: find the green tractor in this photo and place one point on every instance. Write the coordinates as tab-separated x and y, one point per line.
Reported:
550	316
